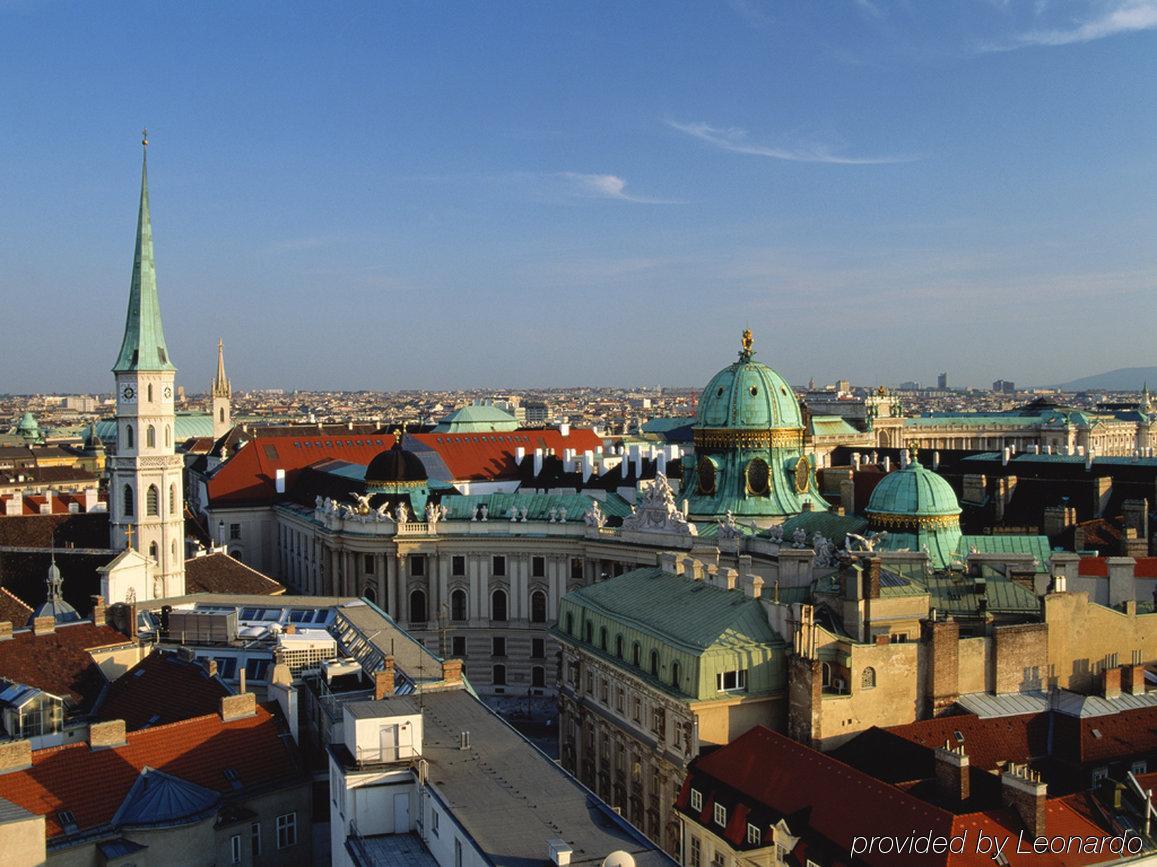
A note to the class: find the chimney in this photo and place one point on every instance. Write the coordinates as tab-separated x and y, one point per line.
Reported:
46	506
241	679
935	460
661	463
952	780
15	756
14	505
872	579
97	610
1004	456
5	630
1111	682
564	429
452	670
91	498
384	680
44	625
537	463
519	454
1133	679
1023	790
235	707
560	851
211	667
730	576
887	464
279	481
108	734
588	465
667	561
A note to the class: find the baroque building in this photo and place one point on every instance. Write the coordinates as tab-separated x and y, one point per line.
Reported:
146	488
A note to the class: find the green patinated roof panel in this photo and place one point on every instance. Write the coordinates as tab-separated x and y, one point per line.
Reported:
463	507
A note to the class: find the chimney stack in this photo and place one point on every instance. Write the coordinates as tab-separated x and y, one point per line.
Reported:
1023	790
108	734
44	625
1111	682
452	670
384	680
952	780
234	707
97	610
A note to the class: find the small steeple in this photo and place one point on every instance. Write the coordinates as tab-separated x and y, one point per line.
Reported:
143	347
221	386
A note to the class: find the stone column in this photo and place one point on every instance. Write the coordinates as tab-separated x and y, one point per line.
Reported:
380	575
397	585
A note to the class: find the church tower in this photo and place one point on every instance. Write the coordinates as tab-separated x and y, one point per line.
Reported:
220	397
146	493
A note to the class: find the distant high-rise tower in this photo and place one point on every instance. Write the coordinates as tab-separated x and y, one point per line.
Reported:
942	381
146	494
221	397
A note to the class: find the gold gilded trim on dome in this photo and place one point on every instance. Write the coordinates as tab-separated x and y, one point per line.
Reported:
748	438
380	484
894	521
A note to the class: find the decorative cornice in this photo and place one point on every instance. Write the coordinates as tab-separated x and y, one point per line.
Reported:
747	438
914	523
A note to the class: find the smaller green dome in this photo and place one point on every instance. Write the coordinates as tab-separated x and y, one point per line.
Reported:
748	394
28	424
916	491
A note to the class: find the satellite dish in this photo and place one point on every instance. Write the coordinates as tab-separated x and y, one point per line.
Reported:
619	858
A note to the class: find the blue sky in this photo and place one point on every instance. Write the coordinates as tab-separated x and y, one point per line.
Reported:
390	196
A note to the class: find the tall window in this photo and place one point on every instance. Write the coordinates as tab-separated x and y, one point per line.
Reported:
458	605
150	392
499	675
499	564
153	502
221	414
675	674
154	552
868	678
655	663
498	605
636	655
127	501
458	565
129	435
151	437
538	567
538	676
172	499
603	637
168	436
417	606
619	646
286	830
538	607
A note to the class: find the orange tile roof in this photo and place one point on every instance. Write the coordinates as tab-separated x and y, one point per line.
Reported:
93	784
59	662
490	455
159	690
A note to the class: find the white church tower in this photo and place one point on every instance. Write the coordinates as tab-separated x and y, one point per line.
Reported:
221	397
146	492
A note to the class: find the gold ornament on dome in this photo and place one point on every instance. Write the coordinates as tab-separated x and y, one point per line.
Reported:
913	522
748	438
747	341
803	471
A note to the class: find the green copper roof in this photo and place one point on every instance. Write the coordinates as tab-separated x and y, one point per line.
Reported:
27	424
477	417
748	394
914	490
144	346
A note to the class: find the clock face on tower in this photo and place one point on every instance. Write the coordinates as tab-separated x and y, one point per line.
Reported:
128	393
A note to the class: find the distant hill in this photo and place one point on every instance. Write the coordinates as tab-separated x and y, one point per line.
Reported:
1123	379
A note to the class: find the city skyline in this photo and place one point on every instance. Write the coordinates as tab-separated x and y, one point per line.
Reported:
849	183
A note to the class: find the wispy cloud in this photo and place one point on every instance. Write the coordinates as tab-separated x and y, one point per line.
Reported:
736	140
1104	19
591	186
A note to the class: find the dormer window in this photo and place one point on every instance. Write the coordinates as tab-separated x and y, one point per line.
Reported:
696	799
720	815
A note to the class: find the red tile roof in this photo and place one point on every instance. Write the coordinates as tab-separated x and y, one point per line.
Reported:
221	573
988	742
161	689
59	663
60	502
490	455
14	609
93	784
1098	567
249	473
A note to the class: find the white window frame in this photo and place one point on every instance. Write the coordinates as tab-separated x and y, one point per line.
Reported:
235	849
720	815
754	835
434	821
286	828
740	675
255	839
1139	767
696	799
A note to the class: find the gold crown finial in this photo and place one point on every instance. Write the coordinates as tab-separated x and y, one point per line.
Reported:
913	450
746	341
145	137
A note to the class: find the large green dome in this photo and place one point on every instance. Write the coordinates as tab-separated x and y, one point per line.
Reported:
748	394
914	491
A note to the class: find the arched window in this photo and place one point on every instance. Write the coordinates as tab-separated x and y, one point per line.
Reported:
370	593
589	632
675	674
538	607
825	674
498	605
868	678
417	606
127	501
172	499
569	623
499	678
174	549
150	390
655	663
603	637
538	676
151	437
128	436
153	502
636	654
222	414
619	646
458	605
168	436
154	552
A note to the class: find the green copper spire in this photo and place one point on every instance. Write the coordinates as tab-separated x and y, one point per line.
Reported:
144	345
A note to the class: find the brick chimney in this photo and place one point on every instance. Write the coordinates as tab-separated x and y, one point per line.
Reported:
951	767
44	625
1023	790
5	630
872	579
108	734
452	670
384	680
234	707
1133	679
98	610
15	756
1111	682
943	671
